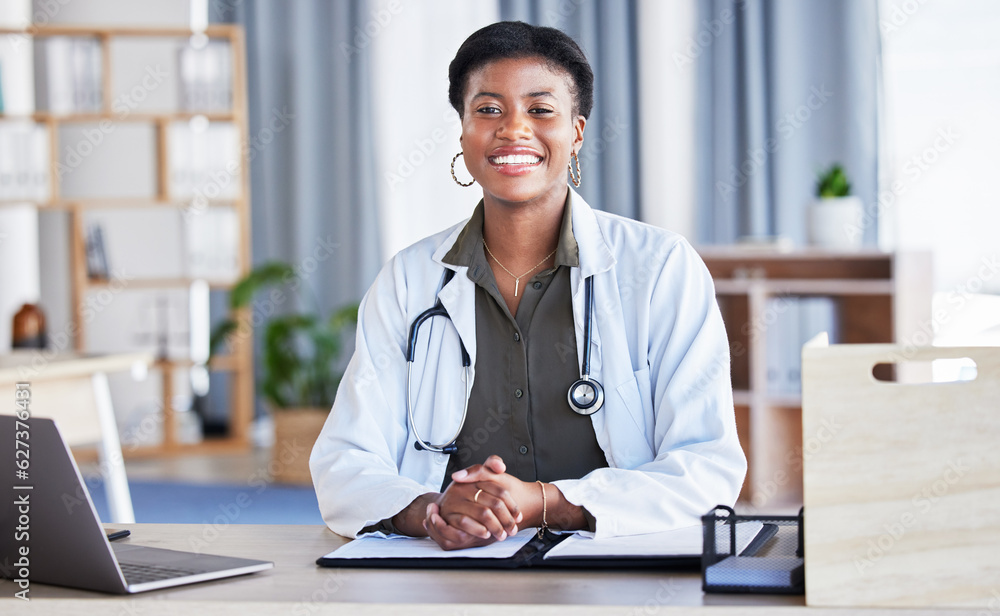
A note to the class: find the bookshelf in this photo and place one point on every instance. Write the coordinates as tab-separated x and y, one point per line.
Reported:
863	297
177	123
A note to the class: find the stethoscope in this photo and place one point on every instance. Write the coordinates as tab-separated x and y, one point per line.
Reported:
585	395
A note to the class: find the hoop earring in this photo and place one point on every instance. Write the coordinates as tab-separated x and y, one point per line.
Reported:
455	177
576	179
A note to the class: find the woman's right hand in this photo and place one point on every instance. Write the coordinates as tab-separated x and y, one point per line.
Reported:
473	514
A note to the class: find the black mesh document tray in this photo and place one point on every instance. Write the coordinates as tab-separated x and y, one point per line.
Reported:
774	565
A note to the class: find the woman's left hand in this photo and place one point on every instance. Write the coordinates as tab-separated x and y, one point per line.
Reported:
553	509
470	514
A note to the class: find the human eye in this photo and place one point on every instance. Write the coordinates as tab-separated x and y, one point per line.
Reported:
488	110
540	110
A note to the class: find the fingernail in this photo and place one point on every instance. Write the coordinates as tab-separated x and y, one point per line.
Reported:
503	535
514	532
459	474
520	516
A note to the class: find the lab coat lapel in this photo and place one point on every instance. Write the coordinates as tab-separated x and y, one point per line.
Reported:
596	258
459	297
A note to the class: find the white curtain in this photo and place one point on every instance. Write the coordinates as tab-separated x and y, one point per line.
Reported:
416	130
786	88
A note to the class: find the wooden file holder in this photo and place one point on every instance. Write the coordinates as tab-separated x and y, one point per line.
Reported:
901	481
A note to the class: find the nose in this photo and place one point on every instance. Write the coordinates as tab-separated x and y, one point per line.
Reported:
514	127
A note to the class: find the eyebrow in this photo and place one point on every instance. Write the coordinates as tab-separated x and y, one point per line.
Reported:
528	95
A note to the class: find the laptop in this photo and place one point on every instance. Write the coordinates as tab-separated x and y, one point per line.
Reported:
66	544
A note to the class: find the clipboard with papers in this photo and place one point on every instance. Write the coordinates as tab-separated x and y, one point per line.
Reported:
679	549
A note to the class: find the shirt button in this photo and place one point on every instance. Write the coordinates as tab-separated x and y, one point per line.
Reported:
523	449
537	285
517	337
518	393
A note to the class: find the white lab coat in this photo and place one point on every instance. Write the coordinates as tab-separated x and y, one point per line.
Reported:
659	347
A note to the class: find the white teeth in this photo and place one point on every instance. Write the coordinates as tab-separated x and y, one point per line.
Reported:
515	159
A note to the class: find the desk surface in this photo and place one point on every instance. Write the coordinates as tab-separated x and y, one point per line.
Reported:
297	586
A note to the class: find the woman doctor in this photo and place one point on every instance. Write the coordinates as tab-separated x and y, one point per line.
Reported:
531	289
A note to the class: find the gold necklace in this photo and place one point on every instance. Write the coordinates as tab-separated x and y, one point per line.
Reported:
517	279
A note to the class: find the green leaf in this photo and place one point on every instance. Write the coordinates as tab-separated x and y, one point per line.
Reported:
273	272
300	359
833	183
221	333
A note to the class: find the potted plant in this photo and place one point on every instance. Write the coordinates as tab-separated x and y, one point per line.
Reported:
834	219
301	366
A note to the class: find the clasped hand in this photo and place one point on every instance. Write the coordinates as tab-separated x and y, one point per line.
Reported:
479	507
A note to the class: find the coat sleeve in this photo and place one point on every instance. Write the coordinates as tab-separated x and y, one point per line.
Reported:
356	458
697	462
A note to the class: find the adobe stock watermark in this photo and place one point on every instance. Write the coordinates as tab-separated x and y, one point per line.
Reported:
137	435
709	31
795	459
664	596
365	34
423	148
229	513
595	146
921	504
557	16
44	12
956	299
122	107
753	330
992	606
899	16
480	436
915	168
786	127
62	340
220	179
267	305
333	581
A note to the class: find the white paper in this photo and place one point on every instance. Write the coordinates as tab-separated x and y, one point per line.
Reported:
424	547
8	159
212	244
685	541
40	163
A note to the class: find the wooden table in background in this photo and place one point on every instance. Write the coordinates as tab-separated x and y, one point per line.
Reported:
73	390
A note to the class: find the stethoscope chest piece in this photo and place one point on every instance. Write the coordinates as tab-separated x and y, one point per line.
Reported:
585	396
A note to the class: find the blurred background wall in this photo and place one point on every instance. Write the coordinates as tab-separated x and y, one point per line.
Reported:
712	118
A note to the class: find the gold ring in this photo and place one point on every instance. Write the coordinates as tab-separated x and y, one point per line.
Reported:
475	498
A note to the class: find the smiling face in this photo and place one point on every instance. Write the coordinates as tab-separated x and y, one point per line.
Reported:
518	130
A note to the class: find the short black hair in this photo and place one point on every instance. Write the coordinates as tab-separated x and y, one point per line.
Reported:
516	39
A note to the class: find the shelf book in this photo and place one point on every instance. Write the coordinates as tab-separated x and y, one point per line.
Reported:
772	303
135	140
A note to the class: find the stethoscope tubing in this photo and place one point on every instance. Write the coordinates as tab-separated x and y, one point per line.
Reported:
437	310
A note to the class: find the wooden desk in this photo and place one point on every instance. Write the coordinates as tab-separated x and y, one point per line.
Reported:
297	586
73	389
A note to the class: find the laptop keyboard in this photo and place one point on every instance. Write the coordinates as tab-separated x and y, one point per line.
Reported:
140	574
